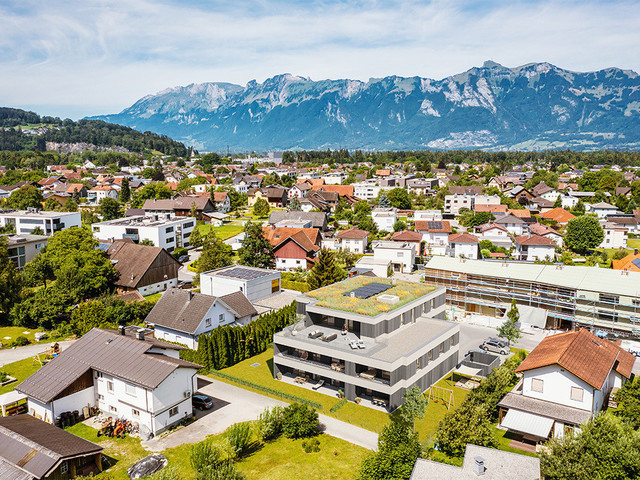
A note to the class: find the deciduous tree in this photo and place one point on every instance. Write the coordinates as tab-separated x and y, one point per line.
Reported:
261	208
256	251
583	234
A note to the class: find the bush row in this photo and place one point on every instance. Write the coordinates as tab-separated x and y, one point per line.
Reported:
298	286
338	405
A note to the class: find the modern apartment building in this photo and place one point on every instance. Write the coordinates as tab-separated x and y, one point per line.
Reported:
26	221
21	249
164	231
555	295
372	338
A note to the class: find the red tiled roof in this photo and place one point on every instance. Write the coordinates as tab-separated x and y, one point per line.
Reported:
558	214
463	238
581	353
626	263
423	226
278	234
490	208
535	240
341	190
406	236
353	233
520	213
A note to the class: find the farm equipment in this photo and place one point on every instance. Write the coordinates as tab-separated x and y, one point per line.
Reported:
117	428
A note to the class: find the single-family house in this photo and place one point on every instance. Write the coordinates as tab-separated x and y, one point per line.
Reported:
384	218
294	248
299	190
514	225
496	234
566	380
409	236
402	255
601	209
318	219
125	373
534	247
181	316
276	196
221	202
629	263
615	236
559	214
463	245
100	192
435	235
547	232
353	239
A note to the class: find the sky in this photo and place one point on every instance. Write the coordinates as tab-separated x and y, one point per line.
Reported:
72	58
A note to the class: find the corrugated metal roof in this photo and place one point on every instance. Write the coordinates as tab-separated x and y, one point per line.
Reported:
525	422
103	350
8	471
580	278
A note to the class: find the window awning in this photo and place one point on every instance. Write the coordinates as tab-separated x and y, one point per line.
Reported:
528	423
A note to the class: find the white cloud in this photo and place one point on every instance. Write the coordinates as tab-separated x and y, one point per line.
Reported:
92	56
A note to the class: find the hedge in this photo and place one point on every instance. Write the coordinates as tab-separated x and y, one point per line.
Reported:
269	390
226	346
299	286
338	405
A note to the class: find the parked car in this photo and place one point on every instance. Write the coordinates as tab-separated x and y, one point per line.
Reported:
495	345
202	402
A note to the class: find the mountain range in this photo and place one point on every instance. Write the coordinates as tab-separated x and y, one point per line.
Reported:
532	107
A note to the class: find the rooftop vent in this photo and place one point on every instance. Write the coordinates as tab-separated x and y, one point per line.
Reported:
478	466
390	299
140	334
121	329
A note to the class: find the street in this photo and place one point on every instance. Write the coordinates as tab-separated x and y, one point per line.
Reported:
10	355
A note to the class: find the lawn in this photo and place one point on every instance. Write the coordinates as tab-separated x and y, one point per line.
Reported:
9	334
19	370
351	412
280	459
224	232
633	243
153	298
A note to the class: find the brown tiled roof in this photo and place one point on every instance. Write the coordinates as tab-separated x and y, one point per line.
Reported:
36	446
490	226
581	353
406	236
180	310
277	235
433	226
353	233
466	190
479	207
558	214
240	304
541	229
463	238
123	356
133	261
341	190
301	238
535	240
219	196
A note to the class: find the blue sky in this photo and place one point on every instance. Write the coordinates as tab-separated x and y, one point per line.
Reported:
82	57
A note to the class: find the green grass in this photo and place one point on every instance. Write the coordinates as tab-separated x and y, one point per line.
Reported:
19	370
504	438
334	297
15	332
224	232
280	459
633	243
153	298
285	459
358	415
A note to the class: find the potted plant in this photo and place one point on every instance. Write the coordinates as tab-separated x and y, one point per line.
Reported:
279	376
358	400
340	394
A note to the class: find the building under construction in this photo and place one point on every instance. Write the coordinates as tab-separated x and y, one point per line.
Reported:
552	296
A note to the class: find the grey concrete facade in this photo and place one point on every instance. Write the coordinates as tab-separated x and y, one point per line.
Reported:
410	345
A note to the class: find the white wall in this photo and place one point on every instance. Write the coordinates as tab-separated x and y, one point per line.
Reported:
469	250
254	290
41	410
75	401
557	384
539	252
403	256
171	393
614	238
354	245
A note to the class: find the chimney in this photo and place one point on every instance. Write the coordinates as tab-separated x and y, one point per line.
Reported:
635	251
121	329
478	466
140	335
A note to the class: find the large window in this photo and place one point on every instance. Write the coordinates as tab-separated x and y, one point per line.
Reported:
537	385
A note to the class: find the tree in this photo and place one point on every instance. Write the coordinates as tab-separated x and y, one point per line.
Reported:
125	192
583	234
215	254
414	406
367	223
398	450
294	204
469	423
193	212
606	448
261	208
70	206
147	242
25	197
10	280
256	251
153	190
51	204
509	329
632	205
195	239
109	208
578	209
399	226
299	421
383	201
325	271
558	202
399	198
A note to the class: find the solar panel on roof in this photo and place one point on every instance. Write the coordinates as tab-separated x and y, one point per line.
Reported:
636	262
368	290
243	273
434	225
104	246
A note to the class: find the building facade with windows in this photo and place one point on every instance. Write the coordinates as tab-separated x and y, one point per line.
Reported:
23	248
25	221
371	338
255	283
165	232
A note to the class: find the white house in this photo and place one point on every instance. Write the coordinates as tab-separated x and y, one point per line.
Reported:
26	221
181	316
496	234
565	382
298	190
547	232
463	245
222	202
334	178
99	193
384	218
514	225
164	232
534	247
402	255
615	236
353	239
428	215
454	203
435	234
601	209
127	374
368	189
255	283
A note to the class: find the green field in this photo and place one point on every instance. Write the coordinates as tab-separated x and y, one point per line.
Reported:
19	370
224	232
351	412
153	298
9	334
281	459
633	243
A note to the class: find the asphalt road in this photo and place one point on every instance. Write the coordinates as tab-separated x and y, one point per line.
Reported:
10	355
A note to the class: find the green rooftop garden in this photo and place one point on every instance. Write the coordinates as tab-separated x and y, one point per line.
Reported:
334	296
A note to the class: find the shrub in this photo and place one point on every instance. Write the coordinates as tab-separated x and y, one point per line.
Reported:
21	341
269	423
338	405
299	421
207	455
3	376
311	445
239	437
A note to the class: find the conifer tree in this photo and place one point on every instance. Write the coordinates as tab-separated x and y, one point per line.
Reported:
383	201
125	191
325	271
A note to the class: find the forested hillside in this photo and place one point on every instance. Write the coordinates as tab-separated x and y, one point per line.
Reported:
22	130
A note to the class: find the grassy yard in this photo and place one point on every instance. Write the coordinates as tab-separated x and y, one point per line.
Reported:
9	334
633	243
19	370
224	232
281	459
153	298
351	412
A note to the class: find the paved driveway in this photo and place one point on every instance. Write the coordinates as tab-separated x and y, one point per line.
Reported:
232	405
10	355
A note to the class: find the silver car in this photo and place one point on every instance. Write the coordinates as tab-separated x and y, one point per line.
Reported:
497	346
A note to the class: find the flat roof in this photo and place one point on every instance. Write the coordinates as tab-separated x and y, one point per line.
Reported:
144	221
333	296
241	272
39	213
593	279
